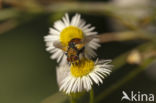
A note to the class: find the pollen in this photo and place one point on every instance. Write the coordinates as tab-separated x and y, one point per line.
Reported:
84	67
70	33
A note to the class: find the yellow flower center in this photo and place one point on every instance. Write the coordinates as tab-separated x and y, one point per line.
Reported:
70	33
84	67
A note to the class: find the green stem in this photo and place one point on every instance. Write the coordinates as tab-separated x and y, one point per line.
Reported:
72	100
91	96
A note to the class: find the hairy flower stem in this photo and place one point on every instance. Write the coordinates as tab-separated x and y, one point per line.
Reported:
91	96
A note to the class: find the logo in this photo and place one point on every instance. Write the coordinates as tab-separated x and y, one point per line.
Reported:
137	96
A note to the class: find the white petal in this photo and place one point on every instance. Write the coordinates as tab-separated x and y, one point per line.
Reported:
53	50
94	78
71	85
75	20
64	60
91	33
51	38
75	86
88	83
89	52
79	85
86	27
66	20
62	72
82	24
60	57
56	54
65	83
53	31
89	29
59	25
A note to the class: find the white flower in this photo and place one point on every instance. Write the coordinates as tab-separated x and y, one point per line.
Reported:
62	72
64	30
81	77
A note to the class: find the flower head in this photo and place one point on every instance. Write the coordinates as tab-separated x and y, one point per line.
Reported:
82	76
64	31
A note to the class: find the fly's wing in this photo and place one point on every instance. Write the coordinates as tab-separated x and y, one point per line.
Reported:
58	44
89	38
86	40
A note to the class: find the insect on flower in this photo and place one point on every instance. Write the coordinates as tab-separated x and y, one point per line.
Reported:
75	48
66	34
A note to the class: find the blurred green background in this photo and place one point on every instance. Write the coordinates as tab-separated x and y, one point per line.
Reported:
28	75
